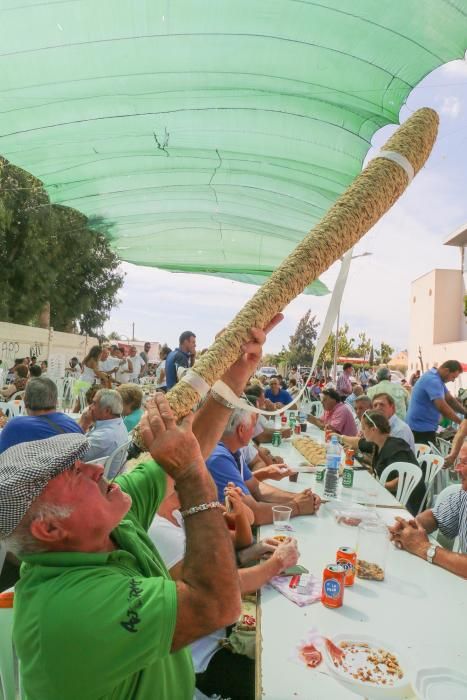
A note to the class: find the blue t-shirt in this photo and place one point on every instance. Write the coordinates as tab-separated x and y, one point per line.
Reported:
175	359
422	415
282	397
223	468
28	428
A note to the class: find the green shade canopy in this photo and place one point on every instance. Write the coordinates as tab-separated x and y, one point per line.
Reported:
210	135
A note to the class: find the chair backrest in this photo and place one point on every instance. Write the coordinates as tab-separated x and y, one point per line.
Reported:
317	409
433	465
444	446
421	449
409	476
17	395
13	408
117	458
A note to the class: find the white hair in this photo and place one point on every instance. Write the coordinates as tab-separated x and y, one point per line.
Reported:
22	540
238	417
111	399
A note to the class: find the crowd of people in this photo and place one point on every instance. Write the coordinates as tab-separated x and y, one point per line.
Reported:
143	565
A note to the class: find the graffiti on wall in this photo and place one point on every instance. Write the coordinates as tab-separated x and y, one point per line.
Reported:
11	349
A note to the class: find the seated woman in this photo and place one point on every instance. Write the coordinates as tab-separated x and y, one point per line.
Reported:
386	450
132	397
19	382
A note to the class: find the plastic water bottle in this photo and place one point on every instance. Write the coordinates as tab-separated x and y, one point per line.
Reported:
333	460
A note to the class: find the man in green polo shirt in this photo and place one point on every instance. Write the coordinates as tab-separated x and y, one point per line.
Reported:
96	614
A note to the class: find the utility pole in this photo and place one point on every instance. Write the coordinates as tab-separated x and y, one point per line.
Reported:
133	331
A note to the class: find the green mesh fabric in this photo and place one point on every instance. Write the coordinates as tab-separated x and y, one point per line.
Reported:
210	135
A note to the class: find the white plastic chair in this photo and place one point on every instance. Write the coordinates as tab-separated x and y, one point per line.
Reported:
409	476
17	396
317	409
13	408
433	464
119	456
444	446
421	449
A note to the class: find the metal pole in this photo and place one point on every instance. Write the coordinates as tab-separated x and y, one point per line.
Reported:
133	331
336	343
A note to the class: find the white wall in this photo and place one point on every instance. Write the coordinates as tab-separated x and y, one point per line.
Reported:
23	341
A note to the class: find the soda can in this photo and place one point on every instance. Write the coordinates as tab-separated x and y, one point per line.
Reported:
327	434
319	474
297	429
349	457
347	477
283	419
276	438
347	558
332	595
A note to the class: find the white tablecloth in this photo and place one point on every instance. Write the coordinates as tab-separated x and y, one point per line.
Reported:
419	609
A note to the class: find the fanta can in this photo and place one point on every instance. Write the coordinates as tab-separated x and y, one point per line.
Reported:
347	558
332	594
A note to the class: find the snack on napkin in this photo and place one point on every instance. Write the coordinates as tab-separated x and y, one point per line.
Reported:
311	595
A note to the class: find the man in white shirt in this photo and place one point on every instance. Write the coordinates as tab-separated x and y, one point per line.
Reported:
138	364
385	404
108	363
104	427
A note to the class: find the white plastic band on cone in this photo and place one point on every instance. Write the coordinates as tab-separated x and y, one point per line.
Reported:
401	160
226	392
197	382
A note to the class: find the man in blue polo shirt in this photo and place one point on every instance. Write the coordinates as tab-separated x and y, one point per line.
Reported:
226	464
279	397
430	399
182	357
42	420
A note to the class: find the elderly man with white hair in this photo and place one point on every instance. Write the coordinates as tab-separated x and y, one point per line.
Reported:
449	515
103	423
226	464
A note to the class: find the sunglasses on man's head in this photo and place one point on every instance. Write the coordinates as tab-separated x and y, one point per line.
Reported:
370	419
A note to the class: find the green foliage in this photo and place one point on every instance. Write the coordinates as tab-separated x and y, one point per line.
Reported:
364	346
384	353
50	253
302	342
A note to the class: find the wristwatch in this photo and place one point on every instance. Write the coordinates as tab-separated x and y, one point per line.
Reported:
430	552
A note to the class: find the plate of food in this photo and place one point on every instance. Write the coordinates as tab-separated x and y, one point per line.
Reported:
368	666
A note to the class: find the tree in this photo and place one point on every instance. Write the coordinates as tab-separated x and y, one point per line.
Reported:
113	336
364	346
344	346
302	342
52	254
384	353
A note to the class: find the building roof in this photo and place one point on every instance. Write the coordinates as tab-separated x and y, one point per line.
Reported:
458	238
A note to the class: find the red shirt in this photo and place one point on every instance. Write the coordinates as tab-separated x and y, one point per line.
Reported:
341	420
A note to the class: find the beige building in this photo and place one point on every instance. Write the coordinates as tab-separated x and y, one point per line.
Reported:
438	326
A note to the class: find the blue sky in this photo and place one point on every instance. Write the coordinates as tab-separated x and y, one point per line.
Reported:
405	244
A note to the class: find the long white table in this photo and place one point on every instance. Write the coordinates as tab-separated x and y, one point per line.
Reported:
419	609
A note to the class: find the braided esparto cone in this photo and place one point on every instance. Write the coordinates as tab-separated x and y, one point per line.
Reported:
371	194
